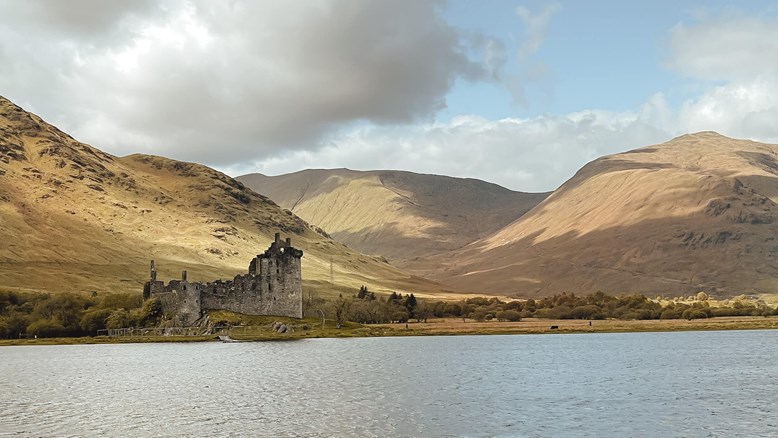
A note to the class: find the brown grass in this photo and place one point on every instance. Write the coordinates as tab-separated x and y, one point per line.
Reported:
74	219
696	213
455	326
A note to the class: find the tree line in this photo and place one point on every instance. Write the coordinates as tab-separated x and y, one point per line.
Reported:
367	308
66	314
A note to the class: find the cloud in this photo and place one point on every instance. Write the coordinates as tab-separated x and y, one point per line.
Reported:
745	109
535	27
217	82
534	154
734	61
76	20
725	48
279	86
732	66
532	71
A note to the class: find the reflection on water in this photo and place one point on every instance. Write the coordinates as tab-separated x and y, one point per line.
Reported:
643	384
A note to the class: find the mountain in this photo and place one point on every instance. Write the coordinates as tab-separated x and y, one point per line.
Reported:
73	218
696	213
402	216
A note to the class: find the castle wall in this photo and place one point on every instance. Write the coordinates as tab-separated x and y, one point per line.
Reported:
239	295
273	286
180	300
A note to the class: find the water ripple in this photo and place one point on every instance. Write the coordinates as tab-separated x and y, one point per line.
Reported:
651	384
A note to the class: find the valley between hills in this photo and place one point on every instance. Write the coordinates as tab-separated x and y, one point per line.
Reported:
697	213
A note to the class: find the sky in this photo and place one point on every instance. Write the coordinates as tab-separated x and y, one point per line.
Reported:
519	93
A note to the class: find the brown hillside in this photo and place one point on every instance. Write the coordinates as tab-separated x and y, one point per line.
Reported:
696	213
399	215
73	218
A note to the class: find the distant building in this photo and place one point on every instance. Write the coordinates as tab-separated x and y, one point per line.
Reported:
273	286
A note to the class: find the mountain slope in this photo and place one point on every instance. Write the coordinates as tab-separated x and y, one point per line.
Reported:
399	215
73	218
696	213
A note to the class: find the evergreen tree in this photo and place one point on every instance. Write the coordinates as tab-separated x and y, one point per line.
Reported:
410	304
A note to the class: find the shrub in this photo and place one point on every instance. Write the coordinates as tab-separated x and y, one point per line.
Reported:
588	311
150	312
480	314
509	315
453	309
119	318
399	314
478	301
644	314
94	320
46	328
17	325
670	314
561	312
694	314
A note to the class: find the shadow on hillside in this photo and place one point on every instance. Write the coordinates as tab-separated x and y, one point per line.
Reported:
656	257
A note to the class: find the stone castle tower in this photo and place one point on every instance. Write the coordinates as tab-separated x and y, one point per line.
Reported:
273	286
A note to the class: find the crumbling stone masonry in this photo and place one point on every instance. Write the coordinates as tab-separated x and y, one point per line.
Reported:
273	286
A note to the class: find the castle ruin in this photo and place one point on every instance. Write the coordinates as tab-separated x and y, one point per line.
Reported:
273	286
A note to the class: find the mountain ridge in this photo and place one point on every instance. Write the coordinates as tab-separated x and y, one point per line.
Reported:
695	213
78	219
399	215
699	212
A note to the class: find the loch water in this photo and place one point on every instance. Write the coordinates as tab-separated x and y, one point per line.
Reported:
684	384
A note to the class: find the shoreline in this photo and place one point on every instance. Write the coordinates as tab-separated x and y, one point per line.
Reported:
544	326
442	327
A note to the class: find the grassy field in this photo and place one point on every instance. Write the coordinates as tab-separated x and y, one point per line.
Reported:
455	326
261	329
